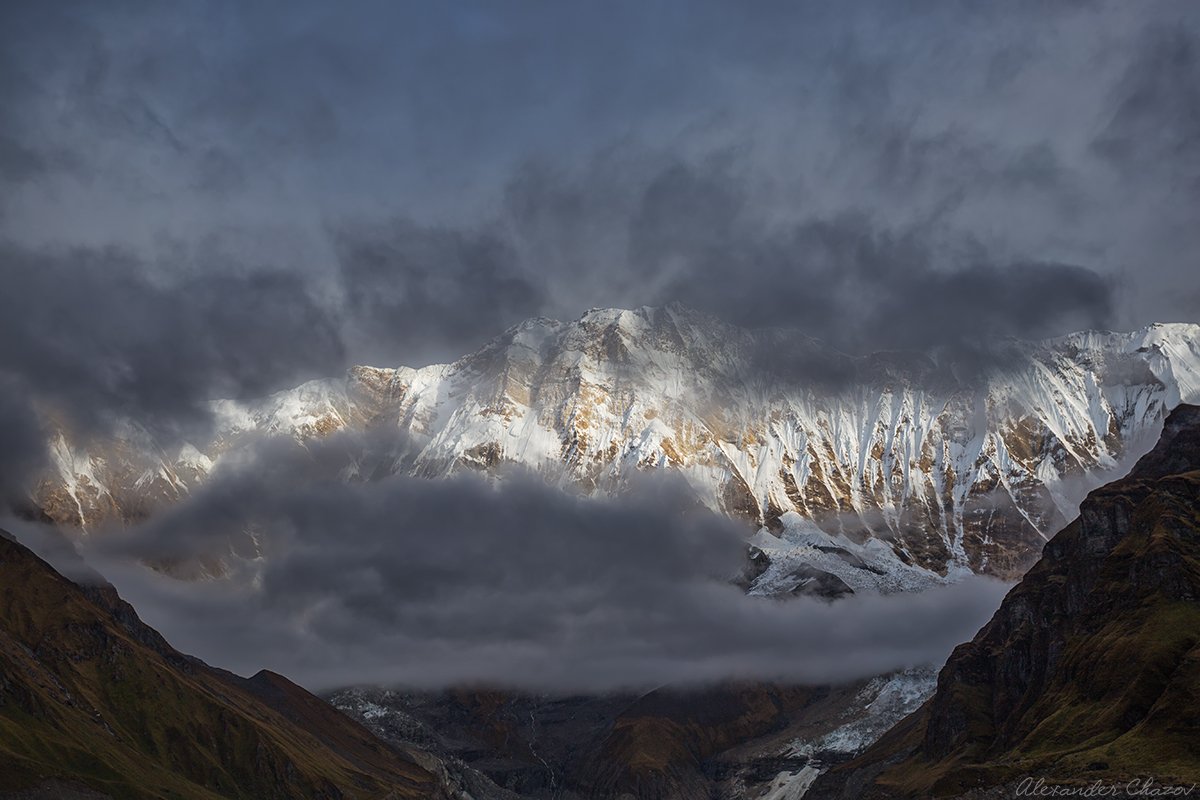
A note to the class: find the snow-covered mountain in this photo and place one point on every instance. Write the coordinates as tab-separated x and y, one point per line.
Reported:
880	471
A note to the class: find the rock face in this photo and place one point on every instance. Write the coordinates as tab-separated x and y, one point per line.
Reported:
950	465
1090	670
94	704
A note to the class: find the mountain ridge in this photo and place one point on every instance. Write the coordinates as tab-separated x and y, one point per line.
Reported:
770	427
92	697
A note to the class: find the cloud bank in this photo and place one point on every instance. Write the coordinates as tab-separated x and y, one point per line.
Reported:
230	199
438	583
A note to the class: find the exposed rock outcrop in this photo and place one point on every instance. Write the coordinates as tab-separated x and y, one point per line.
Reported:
1090	670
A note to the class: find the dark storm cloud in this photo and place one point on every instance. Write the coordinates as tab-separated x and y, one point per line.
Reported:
635	228
22	443
1029	300
438	293
92	339
18	162
442	173
693	235
432	584
408	181
1156	125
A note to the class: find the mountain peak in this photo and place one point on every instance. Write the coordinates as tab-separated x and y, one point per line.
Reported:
947	473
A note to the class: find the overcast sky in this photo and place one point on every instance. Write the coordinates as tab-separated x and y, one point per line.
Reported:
220	199
429	174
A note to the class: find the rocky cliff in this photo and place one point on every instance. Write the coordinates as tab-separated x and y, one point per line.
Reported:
1090	670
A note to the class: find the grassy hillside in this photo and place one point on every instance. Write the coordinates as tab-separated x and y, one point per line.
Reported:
92	696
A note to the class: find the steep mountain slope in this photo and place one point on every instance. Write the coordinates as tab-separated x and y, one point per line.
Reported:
1089	671
947	463
94	702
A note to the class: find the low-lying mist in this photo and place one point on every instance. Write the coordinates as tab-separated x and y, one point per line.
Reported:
511	583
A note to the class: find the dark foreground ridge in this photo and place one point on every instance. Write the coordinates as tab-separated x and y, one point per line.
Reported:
1090	669
95	704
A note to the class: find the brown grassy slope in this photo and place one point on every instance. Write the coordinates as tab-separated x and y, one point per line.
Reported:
91	695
